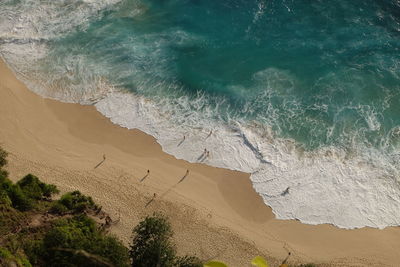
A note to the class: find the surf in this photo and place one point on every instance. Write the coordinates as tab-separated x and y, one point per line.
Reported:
288	92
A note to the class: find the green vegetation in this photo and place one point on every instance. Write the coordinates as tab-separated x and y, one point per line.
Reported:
33	188
31	236
74	202
258	262
76	234
152	246
8	259
3	162
38	231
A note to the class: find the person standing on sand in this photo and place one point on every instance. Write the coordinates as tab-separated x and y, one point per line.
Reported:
209	134
104	157
148	172
187	172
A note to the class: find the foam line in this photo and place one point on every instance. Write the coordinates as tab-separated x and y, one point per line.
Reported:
350	187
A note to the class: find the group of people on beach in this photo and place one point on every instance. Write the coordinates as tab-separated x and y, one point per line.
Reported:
206	152
205	155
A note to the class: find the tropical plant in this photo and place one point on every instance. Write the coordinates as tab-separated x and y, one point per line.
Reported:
73	201
36	189
78	242
151	245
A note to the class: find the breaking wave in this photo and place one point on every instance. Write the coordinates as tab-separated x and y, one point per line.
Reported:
285	91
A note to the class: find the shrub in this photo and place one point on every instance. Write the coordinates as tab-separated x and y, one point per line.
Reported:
115	251
187	261
3	157
4	198
25	194
58	208
70	233
33	249
4	253
36	189
3	161
78	242
8	259
151	245
19	200
10	219
3	174
75	201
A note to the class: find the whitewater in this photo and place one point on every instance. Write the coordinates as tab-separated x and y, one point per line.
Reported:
350	186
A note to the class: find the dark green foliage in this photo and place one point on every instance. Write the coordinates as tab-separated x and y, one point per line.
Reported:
4	198
4	253
151	245
3	162
3	157
10	219
15	194
65	242
152	228
70	242
70	233
19	200
35	189
188	261
10	196
33	249
73	201
8	259
58	208
3	174
26	192
157	252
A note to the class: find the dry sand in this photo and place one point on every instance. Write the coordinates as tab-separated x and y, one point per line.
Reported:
215	212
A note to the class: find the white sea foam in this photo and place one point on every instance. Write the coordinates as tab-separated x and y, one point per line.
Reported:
26	27
324	186
349	188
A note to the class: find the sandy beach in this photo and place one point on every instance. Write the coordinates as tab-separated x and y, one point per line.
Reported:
215	213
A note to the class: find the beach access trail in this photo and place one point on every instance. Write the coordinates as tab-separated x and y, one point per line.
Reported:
215	212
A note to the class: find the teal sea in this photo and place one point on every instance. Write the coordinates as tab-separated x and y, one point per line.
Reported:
305	95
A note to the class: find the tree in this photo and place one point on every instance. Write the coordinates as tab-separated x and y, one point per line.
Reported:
151	245
36	189
3	157
78	242
75	202
19	200
3	162
188	261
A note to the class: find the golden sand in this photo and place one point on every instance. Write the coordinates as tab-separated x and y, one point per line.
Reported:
215	213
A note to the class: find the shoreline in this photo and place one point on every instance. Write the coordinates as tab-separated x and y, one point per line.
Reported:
63	142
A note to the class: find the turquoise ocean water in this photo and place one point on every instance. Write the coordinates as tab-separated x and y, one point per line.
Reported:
294	90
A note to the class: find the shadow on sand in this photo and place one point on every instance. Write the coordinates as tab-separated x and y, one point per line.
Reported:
144	177
98	165
167	191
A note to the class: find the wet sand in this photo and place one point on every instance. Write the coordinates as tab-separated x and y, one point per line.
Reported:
215	212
